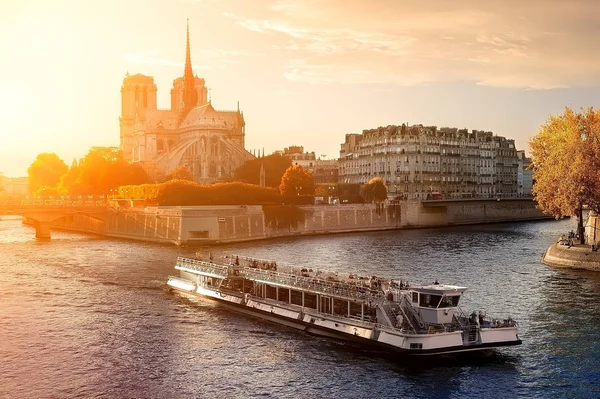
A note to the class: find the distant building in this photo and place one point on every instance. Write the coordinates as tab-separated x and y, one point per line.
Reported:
524	174
192	133
14	186
420	162
323	170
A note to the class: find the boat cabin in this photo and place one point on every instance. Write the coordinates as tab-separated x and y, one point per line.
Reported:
436	303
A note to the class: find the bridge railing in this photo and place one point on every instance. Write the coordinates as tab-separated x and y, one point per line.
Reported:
53	203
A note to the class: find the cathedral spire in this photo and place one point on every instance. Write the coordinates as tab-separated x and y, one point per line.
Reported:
190	96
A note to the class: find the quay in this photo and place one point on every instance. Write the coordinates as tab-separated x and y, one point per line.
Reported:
577	256
206	225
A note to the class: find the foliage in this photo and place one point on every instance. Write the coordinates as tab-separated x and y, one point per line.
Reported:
140	191
326	189
48	192
296	181
348	189
69	182
283	216
180	173
46	170
185	192
374	191
103	169
566	164
275	166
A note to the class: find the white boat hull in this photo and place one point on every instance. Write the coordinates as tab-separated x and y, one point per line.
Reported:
339	328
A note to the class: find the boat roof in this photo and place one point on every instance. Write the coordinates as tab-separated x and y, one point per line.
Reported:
439	289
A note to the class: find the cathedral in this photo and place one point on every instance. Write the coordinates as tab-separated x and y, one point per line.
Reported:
192	133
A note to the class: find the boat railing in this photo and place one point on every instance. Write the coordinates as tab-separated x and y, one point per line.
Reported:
202	267
410	313
313	284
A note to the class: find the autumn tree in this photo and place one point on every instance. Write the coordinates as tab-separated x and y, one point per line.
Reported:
566	164
296	181
104	169
374	191
70	182
275	166
326	189
45	171
180	173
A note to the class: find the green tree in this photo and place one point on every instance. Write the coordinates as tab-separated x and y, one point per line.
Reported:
180	173
566	164
46	170
275	166
374	191
296	181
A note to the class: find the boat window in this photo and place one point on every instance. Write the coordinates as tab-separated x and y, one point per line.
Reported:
449	301
415	297
430	301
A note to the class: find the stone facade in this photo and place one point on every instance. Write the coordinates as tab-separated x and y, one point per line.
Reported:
420	162
192	133
222	224
324	171
524	175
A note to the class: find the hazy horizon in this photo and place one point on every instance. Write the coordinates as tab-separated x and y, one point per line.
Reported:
305	72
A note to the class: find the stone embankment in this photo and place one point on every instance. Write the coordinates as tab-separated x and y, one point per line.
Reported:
579	256
205	225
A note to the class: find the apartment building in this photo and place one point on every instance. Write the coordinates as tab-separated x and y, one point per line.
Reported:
420	162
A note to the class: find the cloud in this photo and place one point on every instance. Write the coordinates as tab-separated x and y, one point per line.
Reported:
527	45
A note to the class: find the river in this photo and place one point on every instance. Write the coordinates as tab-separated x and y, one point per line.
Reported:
87	317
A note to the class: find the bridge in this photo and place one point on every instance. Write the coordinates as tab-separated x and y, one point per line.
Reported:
41	214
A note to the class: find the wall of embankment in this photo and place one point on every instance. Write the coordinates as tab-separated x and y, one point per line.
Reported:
203	225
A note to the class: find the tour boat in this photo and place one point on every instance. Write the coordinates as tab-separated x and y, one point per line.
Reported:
370	311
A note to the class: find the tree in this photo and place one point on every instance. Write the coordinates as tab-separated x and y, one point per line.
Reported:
296	181
326	189
104	169
45	171
566	164
374	191
275	166
69	182
180	173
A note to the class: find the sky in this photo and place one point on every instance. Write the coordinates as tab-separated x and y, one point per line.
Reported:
305	72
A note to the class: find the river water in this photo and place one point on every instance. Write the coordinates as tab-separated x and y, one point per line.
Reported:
85	317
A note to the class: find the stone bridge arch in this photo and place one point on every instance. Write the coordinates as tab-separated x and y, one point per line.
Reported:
41	219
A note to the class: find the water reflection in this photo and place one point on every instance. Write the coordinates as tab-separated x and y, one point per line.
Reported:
84	316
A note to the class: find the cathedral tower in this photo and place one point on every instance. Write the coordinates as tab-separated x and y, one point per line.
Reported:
188	91
138	94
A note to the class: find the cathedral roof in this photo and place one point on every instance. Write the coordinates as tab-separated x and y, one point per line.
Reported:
206	115
153	119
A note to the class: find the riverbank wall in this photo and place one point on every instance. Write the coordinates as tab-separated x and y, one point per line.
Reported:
204	225
579	256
